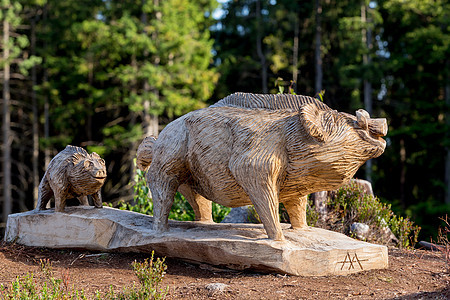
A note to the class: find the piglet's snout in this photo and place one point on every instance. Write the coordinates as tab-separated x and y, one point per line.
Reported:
378	127
100	174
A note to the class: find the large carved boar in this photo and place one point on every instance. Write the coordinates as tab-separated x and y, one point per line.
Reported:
257	149
72	173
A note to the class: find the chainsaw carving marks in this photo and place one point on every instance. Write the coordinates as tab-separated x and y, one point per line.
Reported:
257	149
351	262
72	173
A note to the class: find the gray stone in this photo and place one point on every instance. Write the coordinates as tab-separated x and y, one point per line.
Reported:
360	230
307	252
237	215
216	287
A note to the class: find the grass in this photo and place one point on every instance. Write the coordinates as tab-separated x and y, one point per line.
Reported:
149	273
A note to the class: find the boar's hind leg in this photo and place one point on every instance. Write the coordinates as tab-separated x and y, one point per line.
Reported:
163	193
296	210
202	207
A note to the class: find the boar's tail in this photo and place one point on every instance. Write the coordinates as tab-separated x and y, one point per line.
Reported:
144	153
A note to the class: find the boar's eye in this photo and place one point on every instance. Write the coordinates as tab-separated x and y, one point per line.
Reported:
88	164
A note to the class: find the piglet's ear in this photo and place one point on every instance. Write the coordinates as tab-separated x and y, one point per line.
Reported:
310	116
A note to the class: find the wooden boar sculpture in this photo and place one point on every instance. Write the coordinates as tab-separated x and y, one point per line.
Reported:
72	173
257	149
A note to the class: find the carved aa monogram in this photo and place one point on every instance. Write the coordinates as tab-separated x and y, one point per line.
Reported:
352	262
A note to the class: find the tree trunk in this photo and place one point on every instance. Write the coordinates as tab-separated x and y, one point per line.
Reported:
46	104
317	51
295	52
402	171
35	155
151	125
7	200
259	49
367	42
447	117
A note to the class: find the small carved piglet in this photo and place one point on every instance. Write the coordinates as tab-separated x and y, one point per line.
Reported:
72	173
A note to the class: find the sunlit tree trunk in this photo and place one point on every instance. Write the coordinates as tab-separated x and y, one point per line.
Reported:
295	51
259	48
317	51
7	200
35	154
151	124
367	42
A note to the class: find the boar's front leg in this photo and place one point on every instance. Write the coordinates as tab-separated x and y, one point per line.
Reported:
296	210
265	201
257	173
97	197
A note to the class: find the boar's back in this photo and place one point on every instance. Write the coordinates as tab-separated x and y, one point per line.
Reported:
269	101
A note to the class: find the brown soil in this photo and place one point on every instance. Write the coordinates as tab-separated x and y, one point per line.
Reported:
412	274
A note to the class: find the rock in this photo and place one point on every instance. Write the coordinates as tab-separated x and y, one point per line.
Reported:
216	287
360	230
365	185
307	252
237	215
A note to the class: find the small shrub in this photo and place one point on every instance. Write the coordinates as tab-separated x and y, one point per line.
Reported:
351	205
149	273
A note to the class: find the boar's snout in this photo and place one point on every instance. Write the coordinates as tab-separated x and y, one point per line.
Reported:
376	127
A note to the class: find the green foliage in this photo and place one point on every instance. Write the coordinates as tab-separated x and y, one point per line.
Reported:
353	205
181	209
26	287
149	273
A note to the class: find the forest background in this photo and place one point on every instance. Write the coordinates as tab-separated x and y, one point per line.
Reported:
103	74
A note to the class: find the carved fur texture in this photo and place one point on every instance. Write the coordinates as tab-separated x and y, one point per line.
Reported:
260	150
72	173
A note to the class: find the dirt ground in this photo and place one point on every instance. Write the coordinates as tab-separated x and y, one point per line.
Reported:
412	274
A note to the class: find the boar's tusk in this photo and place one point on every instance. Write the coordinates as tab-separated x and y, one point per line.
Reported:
362	118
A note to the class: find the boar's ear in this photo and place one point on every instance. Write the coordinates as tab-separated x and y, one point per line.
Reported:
310	116
362	118
77	157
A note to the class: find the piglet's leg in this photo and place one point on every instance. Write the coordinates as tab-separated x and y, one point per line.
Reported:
97	197
60	202
296	210
44	195
83	200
